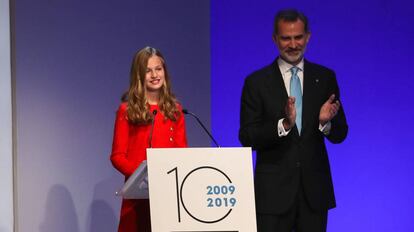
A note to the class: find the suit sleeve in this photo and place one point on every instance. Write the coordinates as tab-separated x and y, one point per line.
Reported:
120	143
180	132
339	126
256	130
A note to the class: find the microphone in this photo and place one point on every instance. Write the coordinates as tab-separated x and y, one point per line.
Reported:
154	113
185	111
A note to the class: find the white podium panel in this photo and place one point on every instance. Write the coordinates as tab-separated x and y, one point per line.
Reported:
201	190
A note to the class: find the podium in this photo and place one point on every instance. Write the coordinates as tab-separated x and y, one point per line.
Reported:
136	187
200	189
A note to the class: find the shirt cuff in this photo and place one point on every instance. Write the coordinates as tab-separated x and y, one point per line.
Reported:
280	129
325	129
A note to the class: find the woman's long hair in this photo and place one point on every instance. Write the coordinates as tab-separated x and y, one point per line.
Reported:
138	111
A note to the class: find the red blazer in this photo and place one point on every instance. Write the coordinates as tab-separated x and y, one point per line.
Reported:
129	150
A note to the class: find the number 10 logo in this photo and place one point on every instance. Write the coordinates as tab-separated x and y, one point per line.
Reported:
206	193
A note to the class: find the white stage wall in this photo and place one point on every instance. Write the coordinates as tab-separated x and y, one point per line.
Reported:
6	160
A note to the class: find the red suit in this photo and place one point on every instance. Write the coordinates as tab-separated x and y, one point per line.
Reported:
129	150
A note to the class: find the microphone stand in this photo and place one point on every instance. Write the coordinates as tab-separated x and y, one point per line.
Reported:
154	113
185	111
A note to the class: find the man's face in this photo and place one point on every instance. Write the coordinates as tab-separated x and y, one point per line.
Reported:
291	40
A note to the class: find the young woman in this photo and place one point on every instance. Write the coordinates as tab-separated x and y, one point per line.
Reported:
148	101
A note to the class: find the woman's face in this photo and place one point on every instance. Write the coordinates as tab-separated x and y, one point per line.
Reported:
154	75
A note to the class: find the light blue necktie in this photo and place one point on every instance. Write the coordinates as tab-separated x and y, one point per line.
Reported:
296	91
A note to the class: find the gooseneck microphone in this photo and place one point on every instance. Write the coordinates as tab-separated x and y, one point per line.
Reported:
154	113
185	111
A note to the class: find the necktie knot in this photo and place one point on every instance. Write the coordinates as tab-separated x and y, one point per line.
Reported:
294	70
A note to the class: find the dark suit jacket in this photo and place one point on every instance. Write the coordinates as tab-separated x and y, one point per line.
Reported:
285	162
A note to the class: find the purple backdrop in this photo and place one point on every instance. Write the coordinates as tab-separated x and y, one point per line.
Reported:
369	44
72	65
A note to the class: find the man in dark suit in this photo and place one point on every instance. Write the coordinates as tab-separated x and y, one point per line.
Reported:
288	108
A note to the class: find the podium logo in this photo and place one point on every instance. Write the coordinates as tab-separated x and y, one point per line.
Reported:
206	194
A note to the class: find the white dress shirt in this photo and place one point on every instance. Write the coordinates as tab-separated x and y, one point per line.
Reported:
284	68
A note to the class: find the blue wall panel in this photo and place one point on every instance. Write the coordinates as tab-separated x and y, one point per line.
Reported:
369	45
